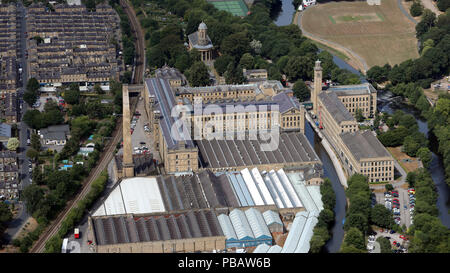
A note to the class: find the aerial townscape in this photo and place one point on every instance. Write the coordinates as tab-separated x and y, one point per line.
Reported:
225	126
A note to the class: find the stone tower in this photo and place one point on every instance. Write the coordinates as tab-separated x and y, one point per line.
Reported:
127	163
202	28
317	85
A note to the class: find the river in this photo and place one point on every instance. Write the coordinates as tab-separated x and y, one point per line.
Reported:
283	16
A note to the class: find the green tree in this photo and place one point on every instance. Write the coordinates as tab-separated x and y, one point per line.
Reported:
235	44
425	156
385	244
410	146
198	74
13	144
359	115
98	89
247	61
234	74
299	67
72	95
356	220
35	142
222	62
381	216
301	91
354	238
33	154
33	195
416	9
388	187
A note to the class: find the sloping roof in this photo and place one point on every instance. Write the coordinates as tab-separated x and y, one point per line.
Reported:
257	223
127	229
295	232
335	107
351	90
271	217
136	195
241	225
274	249
261	248
193	38
227	227
364	145
165	102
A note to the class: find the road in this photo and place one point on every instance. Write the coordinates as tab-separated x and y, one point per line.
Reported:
15	226
428	4
140	42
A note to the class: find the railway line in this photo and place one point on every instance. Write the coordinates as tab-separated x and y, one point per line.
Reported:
108	153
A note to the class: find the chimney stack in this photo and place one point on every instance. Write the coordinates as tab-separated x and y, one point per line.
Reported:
127	165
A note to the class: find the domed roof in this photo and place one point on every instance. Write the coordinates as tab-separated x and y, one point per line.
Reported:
202	26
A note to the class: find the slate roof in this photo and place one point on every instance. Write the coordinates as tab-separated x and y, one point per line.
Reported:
335	107
364	145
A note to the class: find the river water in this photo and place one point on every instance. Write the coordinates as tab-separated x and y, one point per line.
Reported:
385	104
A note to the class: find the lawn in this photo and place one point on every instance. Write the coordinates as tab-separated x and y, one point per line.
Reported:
379	34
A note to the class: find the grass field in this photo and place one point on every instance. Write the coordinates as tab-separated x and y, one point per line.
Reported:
379	34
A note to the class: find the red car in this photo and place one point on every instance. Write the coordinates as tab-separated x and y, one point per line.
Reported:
403	237
394	243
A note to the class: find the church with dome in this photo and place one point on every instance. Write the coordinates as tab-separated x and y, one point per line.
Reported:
201	41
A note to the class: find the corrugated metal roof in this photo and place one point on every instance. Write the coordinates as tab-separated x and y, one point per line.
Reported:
295	232
268	200
280	189
271	217
237	189
275	249
273	192
314	191
257	223
252	188
245	191
227	227
289	188
303	244
262	248
241	225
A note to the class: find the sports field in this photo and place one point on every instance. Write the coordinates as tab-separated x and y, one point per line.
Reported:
379	34
235	7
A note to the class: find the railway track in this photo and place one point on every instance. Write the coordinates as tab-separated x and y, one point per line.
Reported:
106	157
108	153
139	34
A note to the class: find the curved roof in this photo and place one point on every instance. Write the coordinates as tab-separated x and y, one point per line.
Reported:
271	217
257	223
241	225
202	26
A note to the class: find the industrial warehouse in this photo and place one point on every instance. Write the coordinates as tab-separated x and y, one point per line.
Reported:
249	196
263	199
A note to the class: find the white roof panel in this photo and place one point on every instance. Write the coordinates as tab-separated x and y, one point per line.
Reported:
257	223
290	245
271	216
314	191
142	195
289	188
227	227
262	187
280	189
137	195
303	244
274	249
114	203
240	224
248	179
262	248
273	192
